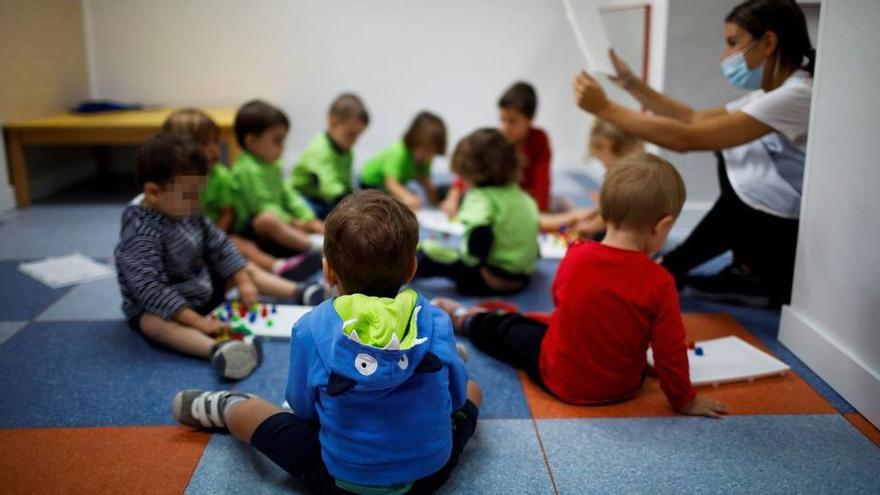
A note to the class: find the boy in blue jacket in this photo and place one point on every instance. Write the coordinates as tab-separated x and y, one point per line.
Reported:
380	397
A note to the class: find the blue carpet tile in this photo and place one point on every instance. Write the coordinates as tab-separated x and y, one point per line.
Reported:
9	328
21	297
41	231
745	454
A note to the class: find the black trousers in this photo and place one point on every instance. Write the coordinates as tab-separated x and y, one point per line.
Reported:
763	242
468	279
511	338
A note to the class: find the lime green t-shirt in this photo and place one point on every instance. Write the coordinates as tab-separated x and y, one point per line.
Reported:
513	216
394	161
262	188
323	171
220	193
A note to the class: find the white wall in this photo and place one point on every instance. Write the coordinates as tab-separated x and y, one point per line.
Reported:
454	57
833	322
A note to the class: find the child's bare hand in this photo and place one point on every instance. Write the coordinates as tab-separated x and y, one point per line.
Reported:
412	202
248	294
449	206
212	327
315	226
704	406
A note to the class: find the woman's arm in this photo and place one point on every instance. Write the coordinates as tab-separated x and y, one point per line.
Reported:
724	131
654	101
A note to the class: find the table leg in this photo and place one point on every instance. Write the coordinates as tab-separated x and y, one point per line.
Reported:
18	169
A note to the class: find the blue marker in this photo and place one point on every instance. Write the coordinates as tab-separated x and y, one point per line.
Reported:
698	351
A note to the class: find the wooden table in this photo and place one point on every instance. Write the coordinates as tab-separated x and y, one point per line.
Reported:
109	128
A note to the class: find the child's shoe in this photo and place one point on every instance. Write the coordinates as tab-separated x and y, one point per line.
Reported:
315	294
236	359
203	409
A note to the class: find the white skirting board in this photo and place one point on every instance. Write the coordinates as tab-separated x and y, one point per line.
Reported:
851	378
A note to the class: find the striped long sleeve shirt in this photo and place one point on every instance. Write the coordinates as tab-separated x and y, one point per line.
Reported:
164	264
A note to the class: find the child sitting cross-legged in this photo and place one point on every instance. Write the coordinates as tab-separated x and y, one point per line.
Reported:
174	265
612	302
410	158
499	250
380	398
278	217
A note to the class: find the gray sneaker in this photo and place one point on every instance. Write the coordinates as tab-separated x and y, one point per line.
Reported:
236	359
203	409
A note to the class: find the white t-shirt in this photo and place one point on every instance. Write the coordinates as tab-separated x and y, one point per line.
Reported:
768	173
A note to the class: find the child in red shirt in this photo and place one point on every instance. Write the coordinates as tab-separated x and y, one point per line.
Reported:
612	302
516	111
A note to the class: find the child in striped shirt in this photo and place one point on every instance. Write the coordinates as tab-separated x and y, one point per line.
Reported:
174	265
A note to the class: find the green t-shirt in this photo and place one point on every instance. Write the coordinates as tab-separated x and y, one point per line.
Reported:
394	161
220	193
262	188
323	172
513	216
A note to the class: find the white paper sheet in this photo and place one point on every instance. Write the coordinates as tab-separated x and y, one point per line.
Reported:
438	221
277	324
63	271
729	359
590	35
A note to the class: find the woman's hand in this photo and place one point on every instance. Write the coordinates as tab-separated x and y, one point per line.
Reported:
589	95
625	77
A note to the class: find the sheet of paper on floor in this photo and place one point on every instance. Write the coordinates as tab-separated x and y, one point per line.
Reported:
63	271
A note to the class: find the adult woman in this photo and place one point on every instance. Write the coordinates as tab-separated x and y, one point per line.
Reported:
761	138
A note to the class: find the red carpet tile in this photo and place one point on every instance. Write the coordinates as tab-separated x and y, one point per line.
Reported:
864	426
787	394
153	459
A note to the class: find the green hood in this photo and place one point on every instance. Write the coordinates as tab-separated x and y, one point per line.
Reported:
380	322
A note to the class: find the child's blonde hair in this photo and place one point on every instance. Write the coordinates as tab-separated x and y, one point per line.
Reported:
194	124
622	143
639	191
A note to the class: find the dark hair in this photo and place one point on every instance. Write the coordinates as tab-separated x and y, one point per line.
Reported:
639	191
347	106
786	19
167	155
193	123
426	129
255	117
520	97
370	242
486	158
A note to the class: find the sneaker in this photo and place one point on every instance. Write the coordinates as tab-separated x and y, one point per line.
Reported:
301	266
315	294
236	359
203	409
731	285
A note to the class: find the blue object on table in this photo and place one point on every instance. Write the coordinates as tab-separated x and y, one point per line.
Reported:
98	106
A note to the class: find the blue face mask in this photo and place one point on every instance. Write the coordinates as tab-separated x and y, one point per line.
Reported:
738	73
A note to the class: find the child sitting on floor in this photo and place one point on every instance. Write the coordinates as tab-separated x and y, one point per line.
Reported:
516	113
323	172
612	302
174	266
410	158
381	401
607	145
220	199
279	218
499	250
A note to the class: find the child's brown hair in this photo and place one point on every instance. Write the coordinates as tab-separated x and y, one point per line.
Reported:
255	117
622	143
167	155
640	190
486	158
426	130
347	106
193	123
520	97
370	242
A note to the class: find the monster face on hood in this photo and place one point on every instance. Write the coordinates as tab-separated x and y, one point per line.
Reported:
379	346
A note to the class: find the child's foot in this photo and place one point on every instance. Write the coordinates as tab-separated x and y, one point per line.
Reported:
236	359
204	409
300	267
315	294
